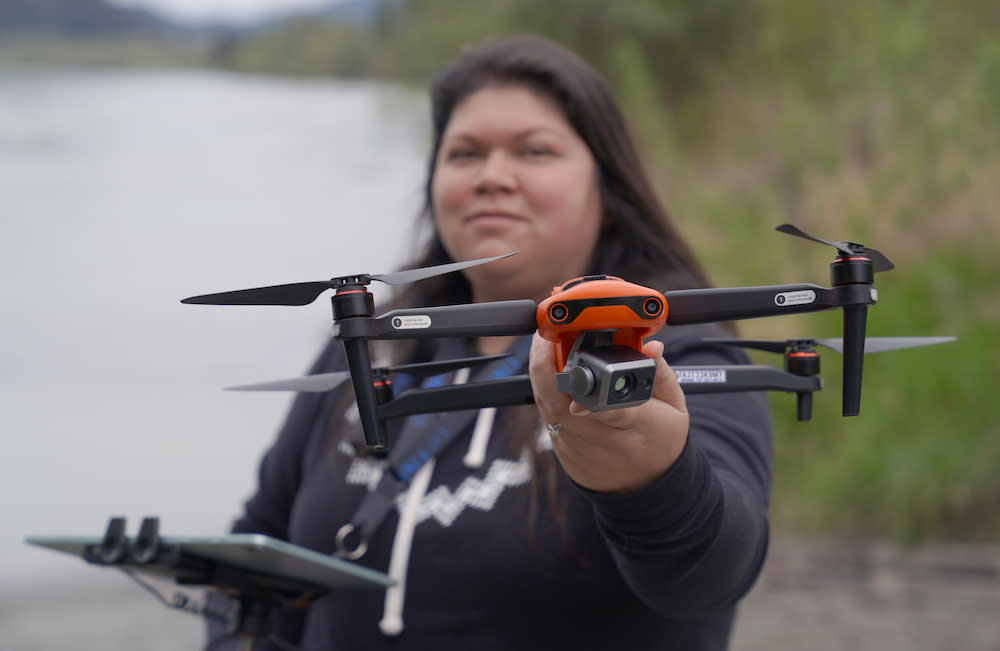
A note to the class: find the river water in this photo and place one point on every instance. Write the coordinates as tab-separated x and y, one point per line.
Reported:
123	192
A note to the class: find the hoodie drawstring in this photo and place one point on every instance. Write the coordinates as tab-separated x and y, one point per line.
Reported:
476	455
402	543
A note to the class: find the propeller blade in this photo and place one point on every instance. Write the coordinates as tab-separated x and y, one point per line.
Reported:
880	344
318	383
872	344
322	382
879	261
306	293
291	294
757	344
413	275
797	232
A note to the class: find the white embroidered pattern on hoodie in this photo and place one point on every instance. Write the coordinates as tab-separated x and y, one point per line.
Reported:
445	505
441	503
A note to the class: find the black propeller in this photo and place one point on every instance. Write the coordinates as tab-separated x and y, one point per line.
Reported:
879	261
872	344
307	292
322	382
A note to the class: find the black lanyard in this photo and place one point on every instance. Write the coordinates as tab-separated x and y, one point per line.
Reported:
423	436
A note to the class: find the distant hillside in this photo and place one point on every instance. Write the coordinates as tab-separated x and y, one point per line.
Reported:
78	18
360	14
100	18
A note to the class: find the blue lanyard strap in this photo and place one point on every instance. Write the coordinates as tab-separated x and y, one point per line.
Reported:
423	436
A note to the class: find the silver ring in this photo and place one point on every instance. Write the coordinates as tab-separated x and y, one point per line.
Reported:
343	551
553	429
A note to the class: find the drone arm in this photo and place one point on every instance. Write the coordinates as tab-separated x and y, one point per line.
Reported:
729	304
493	319
517	390
474	395
743	377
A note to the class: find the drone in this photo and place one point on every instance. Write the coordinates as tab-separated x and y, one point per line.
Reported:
597	324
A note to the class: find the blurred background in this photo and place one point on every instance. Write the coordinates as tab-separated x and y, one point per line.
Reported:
156	149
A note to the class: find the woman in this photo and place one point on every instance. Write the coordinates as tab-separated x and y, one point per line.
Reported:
544	526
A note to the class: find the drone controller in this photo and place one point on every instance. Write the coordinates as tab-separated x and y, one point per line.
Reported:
597	324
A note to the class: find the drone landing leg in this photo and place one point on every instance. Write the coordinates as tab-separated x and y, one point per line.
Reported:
350	302
803	406
359	362
854	356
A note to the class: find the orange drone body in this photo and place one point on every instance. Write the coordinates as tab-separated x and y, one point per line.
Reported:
600	302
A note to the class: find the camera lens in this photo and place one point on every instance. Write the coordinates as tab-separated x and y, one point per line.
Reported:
623	385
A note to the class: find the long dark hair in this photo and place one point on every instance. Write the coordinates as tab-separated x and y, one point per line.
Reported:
638	241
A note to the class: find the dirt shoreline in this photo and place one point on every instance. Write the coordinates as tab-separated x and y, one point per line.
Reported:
814	594
835	594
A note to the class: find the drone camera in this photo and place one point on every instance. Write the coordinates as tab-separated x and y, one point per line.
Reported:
608	377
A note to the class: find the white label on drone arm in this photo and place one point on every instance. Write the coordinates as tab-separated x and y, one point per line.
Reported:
707	376
787	299
412	322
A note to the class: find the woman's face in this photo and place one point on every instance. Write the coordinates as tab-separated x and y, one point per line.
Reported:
512	175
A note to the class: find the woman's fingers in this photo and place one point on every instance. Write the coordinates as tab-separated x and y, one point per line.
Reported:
617	449
542	370
666	387
558	407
